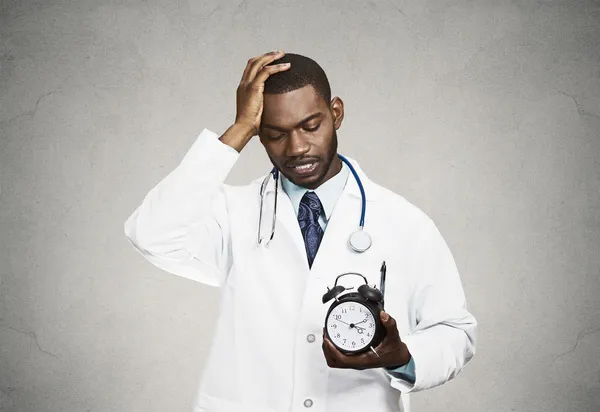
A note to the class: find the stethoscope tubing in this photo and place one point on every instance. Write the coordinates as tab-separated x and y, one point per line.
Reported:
275	173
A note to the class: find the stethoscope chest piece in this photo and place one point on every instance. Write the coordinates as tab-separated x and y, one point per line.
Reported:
360	241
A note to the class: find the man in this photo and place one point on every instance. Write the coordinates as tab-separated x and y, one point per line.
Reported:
265	356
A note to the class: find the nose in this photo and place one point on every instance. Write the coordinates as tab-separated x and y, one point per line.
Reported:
297	145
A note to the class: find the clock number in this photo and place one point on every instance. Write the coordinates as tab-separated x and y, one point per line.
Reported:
353	343
334	325
337	317
337	336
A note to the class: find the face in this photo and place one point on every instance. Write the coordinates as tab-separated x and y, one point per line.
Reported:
298	131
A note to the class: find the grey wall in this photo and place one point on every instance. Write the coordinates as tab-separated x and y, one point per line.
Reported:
485	114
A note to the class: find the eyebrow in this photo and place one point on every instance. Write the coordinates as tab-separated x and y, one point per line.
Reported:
312	116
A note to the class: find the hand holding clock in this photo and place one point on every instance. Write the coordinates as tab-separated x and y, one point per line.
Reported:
392	351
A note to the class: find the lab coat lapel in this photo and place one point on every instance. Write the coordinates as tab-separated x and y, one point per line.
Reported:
288	219
336	231
287	228
344	220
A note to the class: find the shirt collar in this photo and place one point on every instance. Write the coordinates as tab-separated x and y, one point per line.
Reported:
329	192
351	187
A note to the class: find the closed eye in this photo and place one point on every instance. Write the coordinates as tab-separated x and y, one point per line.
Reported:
312	129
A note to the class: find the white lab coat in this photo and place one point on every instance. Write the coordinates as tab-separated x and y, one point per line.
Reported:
263	357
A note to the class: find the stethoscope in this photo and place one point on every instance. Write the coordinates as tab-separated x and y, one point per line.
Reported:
359	241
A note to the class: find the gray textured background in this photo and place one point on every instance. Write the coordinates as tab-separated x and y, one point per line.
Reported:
485	114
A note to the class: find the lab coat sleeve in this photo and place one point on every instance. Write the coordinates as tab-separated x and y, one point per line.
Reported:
444	338
182	226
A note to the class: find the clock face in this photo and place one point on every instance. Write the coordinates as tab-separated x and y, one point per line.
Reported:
351	326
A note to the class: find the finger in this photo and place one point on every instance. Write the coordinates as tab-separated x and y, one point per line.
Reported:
380	348
389	322
384	316
254	65
267	71
329	348
357	361
367	360
250	65
337	358
247	69
328	356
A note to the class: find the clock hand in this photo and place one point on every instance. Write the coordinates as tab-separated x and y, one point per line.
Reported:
353	325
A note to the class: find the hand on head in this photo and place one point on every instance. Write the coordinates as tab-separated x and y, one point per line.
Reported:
250	98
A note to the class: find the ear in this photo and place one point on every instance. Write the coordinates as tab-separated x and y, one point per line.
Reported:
337	111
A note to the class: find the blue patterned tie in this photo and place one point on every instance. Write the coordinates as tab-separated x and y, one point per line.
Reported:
308	217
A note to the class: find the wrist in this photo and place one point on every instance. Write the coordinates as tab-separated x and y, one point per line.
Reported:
401	357
237	136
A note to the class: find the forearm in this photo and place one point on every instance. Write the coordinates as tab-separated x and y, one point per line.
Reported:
441	351
184	197
441	335
237	136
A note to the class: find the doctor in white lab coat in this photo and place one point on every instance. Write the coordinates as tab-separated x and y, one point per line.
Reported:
269	351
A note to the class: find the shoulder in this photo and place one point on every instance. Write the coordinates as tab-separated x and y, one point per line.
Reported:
251	188
398	207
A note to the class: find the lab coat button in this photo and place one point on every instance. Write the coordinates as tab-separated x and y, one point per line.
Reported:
310	338
308	403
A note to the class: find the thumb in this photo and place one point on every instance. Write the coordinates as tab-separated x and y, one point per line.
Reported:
388	322
384	316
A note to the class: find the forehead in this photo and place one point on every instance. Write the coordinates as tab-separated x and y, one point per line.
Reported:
287	109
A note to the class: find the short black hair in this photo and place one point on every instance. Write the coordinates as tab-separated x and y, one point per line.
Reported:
304	71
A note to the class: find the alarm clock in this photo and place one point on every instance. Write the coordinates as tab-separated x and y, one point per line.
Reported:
352	322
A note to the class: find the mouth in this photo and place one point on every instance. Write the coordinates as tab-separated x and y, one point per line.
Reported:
304	169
